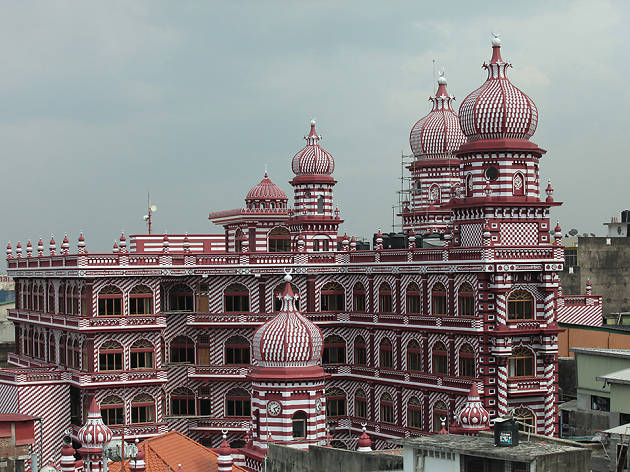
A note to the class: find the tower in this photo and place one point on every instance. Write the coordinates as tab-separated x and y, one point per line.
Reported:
288	402
434	139
313	214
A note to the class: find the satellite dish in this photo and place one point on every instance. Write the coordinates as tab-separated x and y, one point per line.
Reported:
153	208
573	232
592	235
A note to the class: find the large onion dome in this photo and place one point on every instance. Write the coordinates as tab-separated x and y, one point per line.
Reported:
289	339
473	416
266	190
497	109
313	159
437	135
94	434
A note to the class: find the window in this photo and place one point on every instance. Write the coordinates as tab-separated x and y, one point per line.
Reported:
520	305
434	195
414	304
141	355
299	425
466	300
74	301
492	173
142	409
51	299
469	185
332	297
387	408
236	298
182	350
600	403
205	401
277	297
440	358
140	300
63	340
438	299
335	402
181	298
414	413
414	356
334	350
385	298
40	297
320	244
440	416
522	363
110	301
320	204
182	402
358	297
518	184
360	351
203	349
385	354
467	361
525	419
238	240
360	404
110	356
237	351
279	240
75	355
238	403
51	348
112	411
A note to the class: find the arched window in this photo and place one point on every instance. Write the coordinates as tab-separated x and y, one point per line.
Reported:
414	304
238	403
518	184
334	350
141	300
385	298
320	204
40	297
360	351
360	404
466	300
38	345
51	349
525	419
438	299
299	425
414	413
440	358
237	351
332	297
414	356
469	185
238	240
385	354
142	409
520	305
181	298
387	408
110	356
141	355
51	299
182	350
434	195
522	363
358	298
236	298
63	341
75	350
112	411
467	361
182	402
279	240
321	244
277	294
335	402
110	301
74	301
440	415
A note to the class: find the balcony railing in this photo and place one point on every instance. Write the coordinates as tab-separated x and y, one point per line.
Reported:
218	372
527	385
89	323
218	424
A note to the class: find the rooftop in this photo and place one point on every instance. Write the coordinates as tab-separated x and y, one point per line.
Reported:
618	377
596	351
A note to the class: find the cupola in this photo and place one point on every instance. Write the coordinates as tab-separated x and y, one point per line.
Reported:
313	159
94	434
265	190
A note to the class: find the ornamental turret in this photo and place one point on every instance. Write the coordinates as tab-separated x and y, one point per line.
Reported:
93	436
473	417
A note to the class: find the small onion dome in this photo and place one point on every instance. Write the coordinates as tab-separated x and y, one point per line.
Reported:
289	339
498	109
557	231
40	245
438	134
9	251
29	247
313	159
266	190
473	416
94	434
364	444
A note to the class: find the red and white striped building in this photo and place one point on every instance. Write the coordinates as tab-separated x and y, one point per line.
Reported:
203	334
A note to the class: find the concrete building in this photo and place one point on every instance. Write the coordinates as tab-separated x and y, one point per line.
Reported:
17	434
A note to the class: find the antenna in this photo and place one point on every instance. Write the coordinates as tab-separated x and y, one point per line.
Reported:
150	209
433	83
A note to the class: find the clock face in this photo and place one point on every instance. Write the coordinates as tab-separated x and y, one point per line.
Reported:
274	408
318	405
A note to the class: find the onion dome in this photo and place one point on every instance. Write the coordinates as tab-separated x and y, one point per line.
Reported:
289	339
18	249
29	248
40	247
364	444
497	109
438	134
266	190
94	434
9	251
313	159
473	416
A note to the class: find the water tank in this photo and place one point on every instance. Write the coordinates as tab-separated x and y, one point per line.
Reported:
505	432
625	216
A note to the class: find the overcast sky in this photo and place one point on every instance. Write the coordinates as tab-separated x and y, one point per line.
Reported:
102	101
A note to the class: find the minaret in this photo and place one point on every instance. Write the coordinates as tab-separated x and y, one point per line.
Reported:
93	436
313	213
288	402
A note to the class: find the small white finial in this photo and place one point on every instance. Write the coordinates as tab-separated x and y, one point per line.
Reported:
496	41
441	78
313	122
